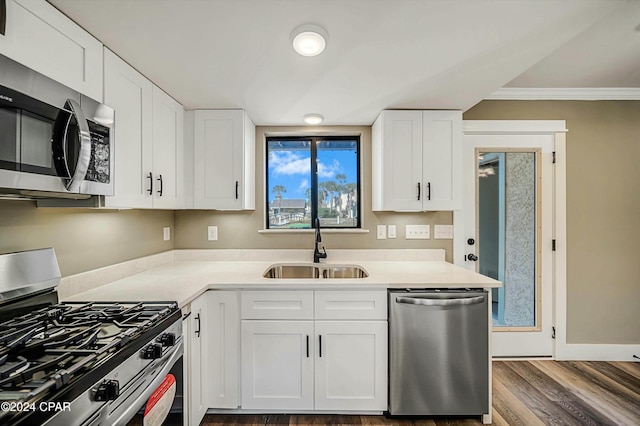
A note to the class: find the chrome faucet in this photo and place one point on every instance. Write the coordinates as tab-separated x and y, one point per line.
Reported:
317	254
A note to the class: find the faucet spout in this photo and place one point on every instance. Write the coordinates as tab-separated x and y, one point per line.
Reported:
317	254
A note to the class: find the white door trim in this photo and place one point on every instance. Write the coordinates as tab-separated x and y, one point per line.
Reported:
556	128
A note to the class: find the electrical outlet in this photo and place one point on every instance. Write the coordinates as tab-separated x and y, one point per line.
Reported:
382	232
166	233
212	233
417	232
443	232
391	231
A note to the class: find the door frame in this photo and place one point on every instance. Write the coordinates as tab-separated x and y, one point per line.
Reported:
557	129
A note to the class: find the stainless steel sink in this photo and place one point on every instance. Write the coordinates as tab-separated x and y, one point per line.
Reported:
350	271
292	271
306	271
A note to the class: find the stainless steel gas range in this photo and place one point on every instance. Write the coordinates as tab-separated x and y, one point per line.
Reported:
80	363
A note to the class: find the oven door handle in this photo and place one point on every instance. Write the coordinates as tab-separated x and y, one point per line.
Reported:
84	154
133	407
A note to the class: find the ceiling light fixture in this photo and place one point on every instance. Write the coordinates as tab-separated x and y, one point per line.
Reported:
313	119
309	39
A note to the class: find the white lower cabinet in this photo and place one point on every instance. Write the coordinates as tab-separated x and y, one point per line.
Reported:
277	365
351	370
196	360
223	323
211	354
289	364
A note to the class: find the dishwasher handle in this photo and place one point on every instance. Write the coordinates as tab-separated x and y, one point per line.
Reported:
440	302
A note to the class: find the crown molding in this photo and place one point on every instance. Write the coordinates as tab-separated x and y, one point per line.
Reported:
567	94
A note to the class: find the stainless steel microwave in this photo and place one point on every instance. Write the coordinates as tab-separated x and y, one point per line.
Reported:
54	142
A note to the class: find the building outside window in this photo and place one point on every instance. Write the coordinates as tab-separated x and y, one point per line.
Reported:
313	177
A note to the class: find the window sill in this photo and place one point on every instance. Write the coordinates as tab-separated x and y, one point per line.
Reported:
311	231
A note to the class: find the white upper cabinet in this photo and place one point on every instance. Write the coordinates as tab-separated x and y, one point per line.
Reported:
416	160
149	132
42	38
223	160
131	95
168	148
442	160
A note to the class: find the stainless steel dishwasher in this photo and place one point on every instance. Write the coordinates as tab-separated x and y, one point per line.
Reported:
438	352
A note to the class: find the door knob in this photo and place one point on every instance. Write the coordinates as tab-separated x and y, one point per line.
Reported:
472	257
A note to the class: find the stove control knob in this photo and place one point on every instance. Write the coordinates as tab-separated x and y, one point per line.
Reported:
153	351
167	339
108	390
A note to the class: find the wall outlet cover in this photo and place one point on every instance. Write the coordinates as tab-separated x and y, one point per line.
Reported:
212	233
381	232
443	232
417	232
166	233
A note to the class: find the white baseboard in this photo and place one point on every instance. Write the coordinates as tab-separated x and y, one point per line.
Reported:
597	352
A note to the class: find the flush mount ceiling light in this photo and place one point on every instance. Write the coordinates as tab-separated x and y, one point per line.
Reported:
313	119
309	39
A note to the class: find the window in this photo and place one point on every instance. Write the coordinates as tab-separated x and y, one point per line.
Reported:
313	177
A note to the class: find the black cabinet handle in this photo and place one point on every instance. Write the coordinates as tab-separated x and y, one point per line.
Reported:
237	183
418	191
198	329
307	346
429	191
160	179
150	177
3	16
320	344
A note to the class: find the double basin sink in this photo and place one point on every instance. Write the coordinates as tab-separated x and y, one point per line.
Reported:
306	271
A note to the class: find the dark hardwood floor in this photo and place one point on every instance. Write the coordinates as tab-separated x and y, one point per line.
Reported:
525	393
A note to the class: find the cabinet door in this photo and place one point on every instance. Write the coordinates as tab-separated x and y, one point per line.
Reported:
168	134
351	367
130	94
220	152
40	37
223	356
277	365
198	361
442	155
397	161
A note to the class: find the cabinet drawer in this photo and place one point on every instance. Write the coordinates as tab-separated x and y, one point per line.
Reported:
357	305
277	305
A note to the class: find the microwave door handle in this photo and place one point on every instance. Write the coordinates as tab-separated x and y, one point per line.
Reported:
84	155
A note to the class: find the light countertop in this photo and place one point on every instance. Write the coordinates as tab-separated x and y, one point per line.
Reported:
184	280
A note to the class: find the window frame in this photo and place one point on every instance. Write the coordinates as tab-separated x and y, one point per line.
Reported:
313	151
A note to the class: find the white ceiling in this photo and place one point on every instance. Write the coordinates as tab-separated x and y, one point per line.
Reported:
431	54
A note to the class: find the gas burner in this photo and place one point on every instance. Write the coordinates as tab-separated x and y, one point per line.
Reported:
62	351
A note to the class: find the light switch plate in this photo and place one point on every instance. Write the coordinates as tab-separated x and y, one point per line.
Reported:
443	232
391	231
212	233
381	232
417	232
166	233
